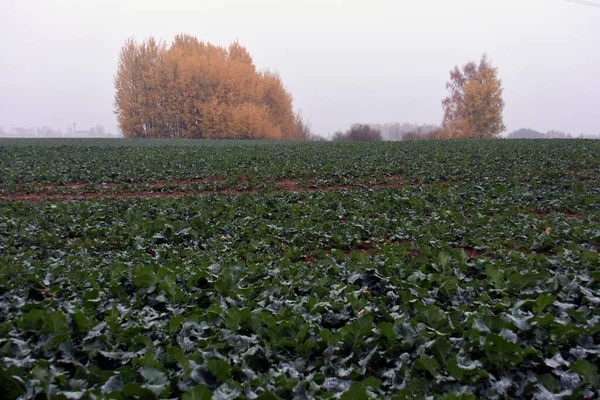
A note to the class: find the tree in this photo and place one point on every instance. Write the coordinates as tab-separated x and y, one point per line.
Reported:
364	133
410	136
193	89
358	133
474	106
304	128
128	87
339	136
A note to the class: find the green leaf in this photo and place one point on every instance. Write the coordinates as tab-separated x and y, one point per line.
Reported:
372	382
431	314
148	360
169	285
442	349
442	259
40	373
144	277
219	368
33	320
55	322
427	363
387	330
454	371
82	323
199	392
542	302
501	352
495	276
519	281
464	396
267	396
236	318
357	391
175	323
135	390
356	331
154	376
177	354
551	383
112	384
10	386
588	371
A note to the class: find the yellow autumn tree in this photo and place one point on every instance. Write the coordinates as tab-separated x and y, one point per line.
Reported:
474	106
128	84
193	89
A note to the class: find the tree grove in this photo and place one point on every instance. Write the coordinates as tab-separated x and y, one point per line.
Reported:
193	89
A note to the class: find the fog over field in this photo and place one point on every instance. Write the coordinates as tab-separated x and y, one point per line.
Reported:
343	61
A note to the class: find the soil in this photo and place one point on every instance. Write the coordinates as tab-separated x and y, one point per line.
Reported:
123	190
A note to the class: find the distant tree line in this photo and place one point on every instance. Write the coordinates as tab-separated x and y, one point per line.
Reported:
397	130
532	134
358	133
193	89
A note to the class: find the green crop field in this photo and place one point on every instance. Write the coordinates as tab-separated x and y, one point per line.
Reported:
264	270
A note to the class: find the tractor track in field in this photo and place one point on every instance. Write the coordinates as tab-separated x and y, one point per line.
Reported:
192	187
181	188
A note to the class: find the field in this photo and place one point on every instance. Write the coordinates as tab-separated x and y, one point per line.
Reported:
262	270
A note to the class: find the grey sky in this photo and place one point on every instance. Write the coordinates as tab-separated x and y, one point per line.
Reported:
343	61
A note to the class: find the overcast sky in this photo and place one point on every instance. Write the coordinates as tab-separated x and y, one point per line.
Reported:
344	61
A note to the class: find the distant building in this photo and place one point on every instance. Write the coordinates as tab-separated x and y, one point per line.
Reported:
79	134
97	131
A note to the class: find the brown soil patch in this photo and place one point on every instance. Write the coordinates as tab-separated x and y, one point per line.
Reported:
153	183
399	241
366	252
544	214
287	183
547	253
581	179
38	197
396	185
365	248
185	182
293	185
308	259
393	179
73	186
125	190
537	213
471	252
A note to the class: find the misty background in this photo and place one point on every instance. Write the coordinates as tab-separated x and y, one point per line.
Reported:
343	61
